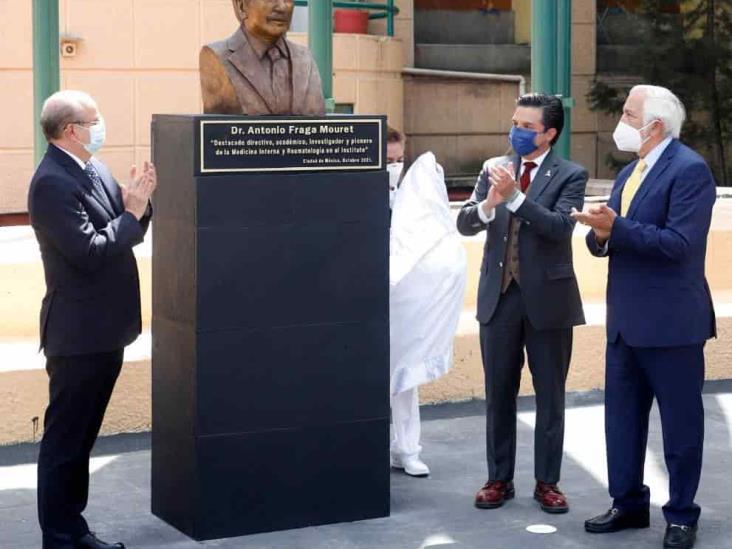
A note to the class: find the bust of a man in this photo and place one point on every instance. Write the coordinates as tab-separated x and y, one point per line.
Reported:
257	71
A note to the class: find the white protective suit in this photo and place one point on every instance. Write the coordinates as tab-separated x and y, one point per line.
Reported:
427	285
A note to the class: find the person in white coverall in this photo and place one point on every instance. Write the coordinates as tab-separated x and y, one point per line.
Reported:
427	285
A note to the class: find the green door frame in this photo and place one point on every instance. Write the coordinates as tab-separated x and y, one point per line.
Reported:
320	36
551	59
46	65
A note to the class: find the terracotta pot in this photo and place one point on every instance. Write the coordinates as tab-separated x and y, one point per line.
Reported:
351	21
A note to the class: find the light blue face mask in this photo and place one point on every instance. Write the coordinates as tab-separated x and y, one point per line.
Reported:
97	135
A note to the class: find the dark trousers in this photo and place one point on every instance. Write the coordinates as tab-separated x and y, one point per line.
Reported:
502	343
675	376
79	390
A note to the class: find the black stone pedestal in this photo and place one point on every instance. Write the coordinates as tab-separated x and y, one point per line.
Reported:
270	323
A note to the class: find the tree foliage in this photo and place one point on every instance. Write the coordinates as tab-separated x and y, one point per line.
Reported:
691	54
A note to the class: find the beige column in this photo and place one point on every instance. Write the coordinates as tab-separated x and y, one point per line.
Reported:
522	11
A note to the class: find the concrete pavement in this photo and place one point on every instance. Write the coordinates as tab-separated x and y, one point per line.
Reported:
436	512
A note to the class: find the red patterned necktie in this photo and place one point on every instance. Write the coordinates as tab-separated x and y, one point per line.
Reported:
526	176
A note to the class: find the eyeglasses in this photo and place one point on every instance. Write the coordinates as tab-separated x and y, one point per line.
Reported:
86	124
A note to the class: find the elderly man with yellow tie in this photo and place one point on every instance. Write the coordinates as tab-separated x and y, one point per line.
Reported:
660	313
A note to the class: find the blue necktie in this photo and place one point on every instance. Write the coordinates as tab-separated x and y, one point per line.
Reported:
97	183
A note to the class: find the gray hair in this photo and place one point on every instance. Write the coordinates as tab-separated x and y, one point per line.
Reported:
63	108
661	104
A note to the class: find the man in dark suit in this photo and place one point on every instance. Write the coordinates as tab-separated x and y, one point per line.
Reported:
660	313
86	225
528	295
257	71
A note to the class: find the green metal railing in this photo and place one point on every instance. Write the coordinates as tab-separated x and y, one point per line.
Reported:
386	10
320	34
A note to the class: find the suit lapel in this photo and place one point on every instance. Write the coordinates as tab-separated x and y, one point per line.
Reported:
110	186
614	201
69	164
103	199
503	214
75	171
249	65
545	174
516	161
657	170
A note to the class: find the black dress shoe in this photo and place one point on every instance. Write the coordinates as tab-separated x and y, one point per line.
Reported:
90	541
615	520
57	541
679	537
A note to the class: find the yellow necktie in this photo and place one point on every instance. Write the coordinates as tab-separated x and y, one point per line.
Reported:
632	186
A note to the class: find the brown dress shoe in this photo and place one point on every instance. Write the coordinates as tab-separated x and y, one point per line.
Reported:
494	494
551	498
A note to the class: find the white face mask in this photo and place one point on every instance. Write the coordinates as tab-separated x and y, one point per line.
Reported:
628	139
97	135
395	170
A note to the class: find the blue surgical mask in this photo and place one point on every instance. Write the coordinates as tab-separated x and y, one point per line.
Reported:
97	135
522	140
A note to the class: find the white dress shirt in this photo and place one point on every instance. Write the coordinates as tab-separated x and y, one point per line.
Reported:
78	160
654	156
515	204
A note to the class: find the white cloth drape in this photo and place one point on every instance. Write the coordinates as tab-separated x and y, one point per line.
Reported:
426	278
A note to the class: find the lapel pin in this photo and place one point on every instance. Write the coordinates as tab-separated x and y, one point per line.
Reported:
548	173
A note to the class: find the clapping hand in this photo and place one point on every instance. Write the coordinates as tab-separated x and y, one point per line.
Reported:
600	218
494	196
136	194
502	179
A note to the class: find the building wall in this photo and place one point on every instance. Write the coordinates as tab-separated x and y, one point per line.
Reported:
589	143
466	5
585	123
522	9
139	57
590	131
403	29
463	121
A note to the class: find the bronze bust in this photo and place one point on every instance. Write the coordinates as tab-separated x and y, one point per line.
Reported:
257	71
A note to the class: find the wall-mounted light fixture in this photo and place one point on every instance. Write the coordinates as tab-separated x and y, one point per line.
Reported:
70	45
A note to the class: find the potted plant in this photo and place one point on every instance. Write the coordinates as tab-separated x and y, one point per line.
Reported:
352	21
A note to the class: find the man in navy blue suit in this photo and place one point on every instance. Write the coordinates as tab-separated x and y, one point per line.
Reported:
660	313
86	225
